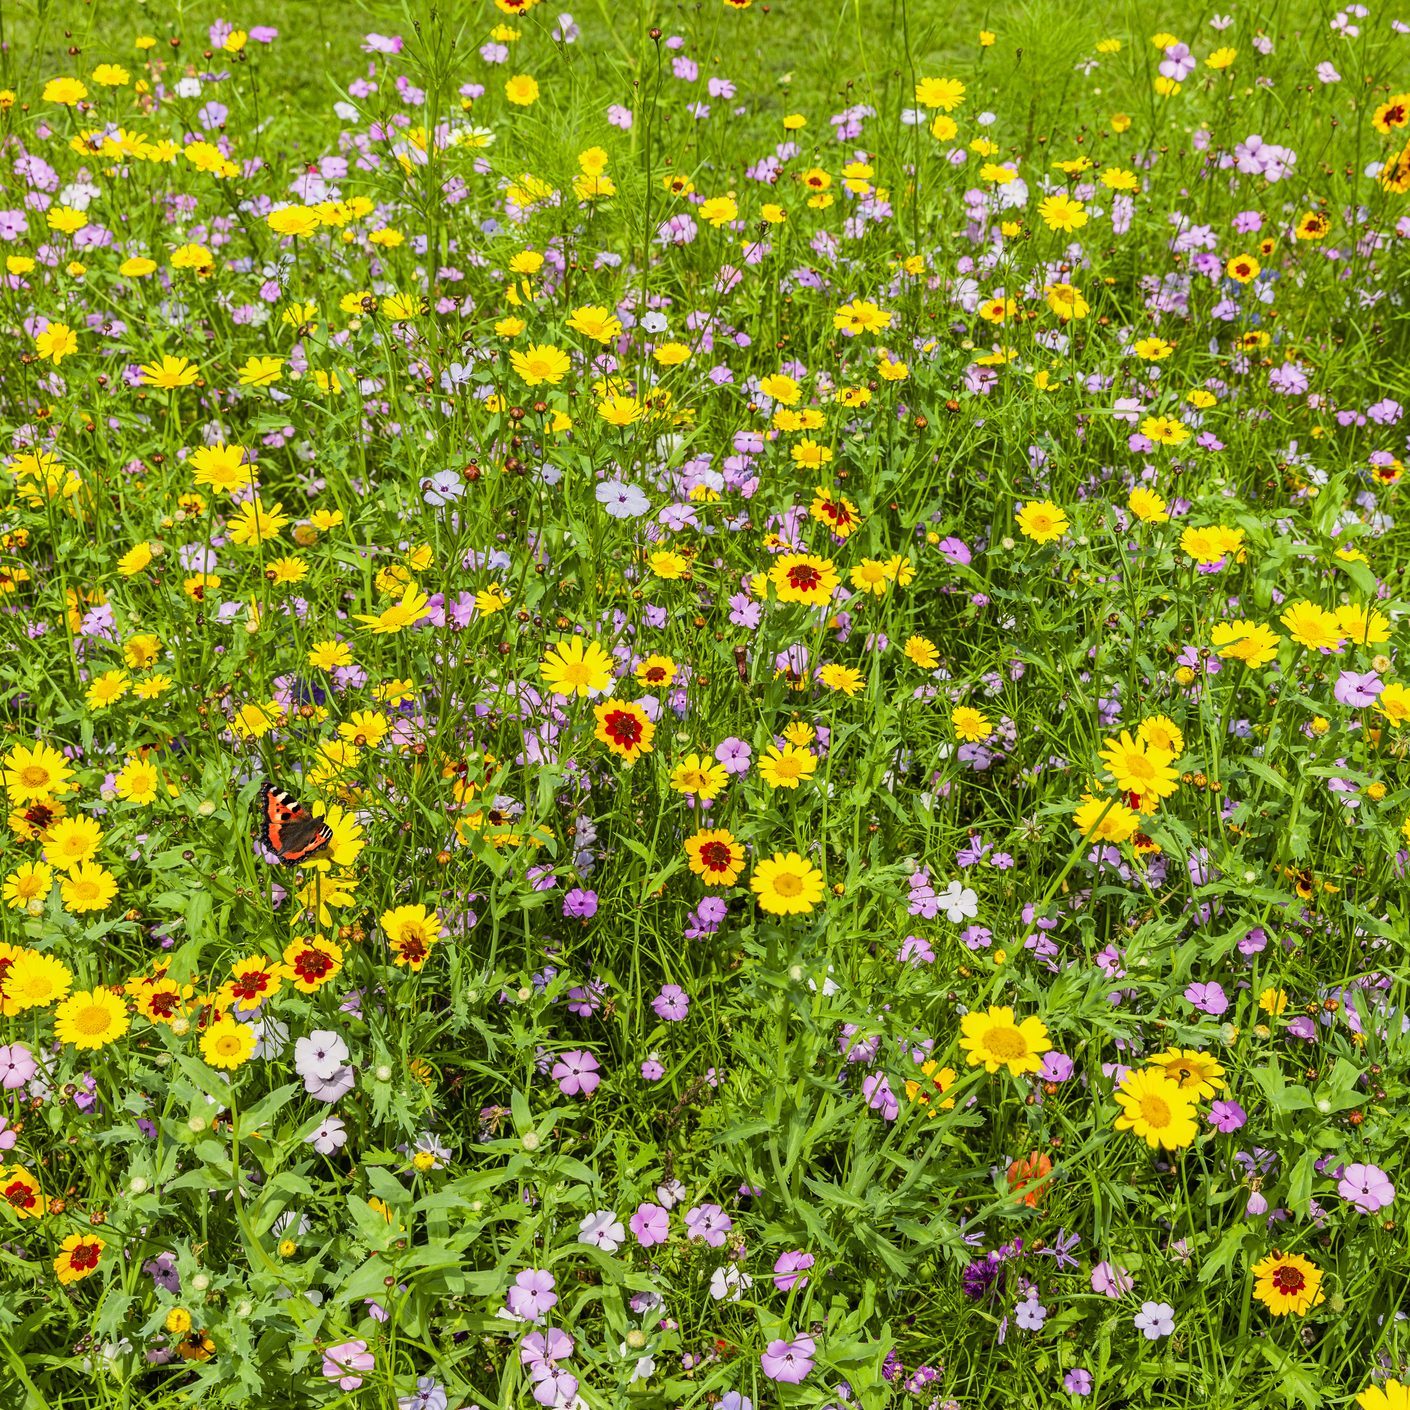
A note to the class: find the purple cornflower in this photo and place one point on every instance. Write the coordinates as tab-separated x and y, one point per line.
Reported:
984	1277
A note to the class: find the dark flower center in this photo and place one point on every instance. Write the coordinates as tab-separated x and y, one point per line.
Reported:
312	964
716	856
624	728
84	1257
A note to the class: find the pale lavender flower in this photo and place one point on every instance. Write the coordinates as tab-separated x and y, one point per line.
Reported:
531	1295
1367	1187
1155	1320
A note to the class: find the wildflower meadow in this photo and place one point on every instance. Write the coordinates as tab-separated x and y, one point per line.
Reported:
704	706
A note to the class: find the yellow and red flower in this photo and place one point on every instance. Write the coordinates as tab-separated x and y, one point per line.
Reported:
79	1255
1287	1282
715	856
310	962
20	1190
625	728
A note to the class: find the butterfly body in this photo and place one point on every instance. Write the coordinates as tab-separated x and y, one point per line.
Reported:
287	828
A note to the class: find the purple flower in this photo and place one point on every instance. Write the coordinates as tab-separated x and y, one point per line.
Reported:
622	499
707	917
788	1361
1288	380
879	1096
1358	689
1030	1314
17	1066
708	1222
1111	1280
734	754
789	1268
545	1347
1060	1250
985	1277
922	901
1208	998
531	1295
1078	1381
579	904
320	1054
344	1362
576	1074
163	1272
603	1230
1368	1187
429	1394
1155	1320
1178	62
554	1385
331	1089
651	1225
439	489
915	951
671	1004
1227	1116
974	853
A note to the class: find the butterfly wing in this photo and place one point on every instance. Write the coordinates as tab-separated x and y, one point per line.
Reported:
287	828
